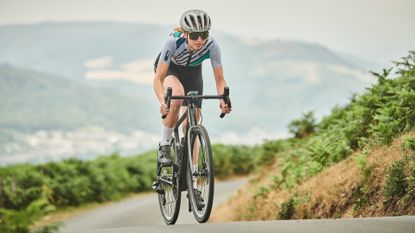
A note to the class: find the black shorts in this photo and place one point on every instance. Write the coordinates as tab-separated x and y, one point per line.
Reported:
190	78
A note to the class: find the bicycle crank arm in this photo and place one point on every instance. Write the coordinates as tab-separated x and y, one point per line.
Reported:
166	181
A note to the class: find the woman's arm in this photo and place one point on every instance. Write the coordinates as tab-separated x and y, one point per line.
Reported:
220	85
158	85
220	79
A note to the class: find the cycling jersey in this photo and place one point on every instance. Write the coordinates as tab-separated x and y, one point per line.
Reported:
175	50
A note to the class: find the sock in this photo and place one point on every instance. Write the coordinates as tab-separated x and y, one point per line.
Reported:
166	135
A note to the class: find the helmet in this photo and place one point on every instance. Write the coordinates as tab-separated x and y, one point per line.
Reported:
195	21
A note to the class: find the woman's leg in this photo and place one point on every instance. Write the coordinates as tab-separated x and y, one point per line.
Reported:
171	119
173	115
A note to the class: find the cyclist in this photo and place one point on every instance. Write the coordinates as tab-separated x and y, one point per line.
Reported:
179	66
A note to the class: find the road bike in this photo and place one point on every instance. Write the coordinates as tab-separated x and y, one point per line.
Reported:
192	167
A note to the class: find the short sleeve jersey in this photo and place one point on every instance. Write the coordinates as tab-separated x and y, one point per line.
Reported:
175	50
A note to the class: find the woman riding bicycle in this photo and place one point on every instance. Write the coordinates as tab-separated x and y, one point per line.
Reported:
179	66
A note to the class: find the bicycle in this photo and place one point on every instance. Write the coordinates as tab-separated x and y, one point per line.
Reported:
184	171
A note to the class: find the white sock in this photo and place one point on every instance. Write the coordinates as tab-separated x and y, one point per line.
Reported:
166	135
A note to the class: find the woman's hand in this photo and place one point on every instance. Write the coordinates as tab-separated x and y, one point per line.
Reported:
163	109
224	107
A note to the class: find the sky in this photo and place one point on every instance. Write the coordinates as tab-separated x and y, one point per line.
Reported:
377	30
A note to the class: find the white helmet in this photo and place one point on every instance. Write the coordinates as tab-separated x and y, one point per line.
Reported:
195	21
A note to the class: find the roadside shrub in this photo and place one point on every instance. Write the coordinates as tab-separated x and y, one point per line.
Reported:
396	181
20	184
287	210
233	160
411	181
408	142
268	152
20	221
361	195
261	192
329	148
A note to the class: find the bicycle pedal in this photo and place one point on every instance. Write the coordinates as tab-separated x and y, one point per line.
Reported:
157	188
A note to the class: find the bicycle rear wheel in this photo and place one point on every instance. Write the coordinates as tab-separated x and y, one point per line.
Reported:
170	196
202	175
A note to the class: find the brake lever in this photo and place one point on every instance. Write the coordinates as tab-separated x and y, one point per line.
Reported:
227	100
167	100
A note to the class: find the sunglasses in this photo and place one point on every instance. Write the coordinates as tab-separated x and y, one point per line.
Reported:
196	35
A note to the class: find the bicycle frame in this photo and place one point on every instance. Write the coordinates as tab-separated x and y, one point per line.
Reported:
190	115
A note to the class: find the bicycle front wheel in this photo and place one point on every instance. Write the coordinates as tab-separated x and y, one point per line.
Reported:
200	175
170	196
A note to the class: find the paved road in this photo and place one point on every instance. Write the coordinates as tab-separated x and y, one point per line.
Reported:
404	224
142	210
142	214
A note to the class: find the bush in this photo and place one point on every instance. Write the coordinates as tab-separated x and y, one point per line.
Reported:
409	143
411	181
287	209
396	181
74	182
233	160
304	126
20	221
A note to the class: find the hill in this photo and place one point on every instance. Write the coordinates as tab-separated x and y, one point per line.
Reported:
46	116
358	161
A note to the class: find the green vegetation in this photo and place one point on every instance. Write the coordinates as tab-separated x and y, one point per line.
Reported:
28	192
14	221
234	160
74	182
375	117
287	209
396	183
409	143
304	126
371	119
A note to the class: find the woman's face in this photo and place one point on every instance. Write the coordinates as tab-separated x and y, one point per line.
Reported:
199	42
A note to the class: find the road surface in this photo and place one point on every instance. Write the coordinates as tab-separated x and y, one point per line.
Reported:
405	224
143	210
142	214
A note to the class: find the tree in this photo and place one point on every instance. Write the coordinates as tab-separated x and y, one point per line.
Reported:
303	126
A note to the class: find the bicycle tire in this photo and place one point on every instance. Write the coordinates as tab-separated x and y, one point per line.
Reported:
170	214
205	169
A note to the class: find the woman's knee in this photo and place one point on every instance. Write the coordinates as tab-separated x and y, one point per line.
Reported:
177	89
177	103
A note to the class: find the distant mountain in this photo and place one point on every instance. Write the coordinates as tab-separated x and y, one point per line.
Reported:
68	76
44	117
33	101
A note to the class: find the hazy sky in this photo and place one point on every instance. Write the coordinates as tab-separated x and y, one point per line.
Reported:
380	30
